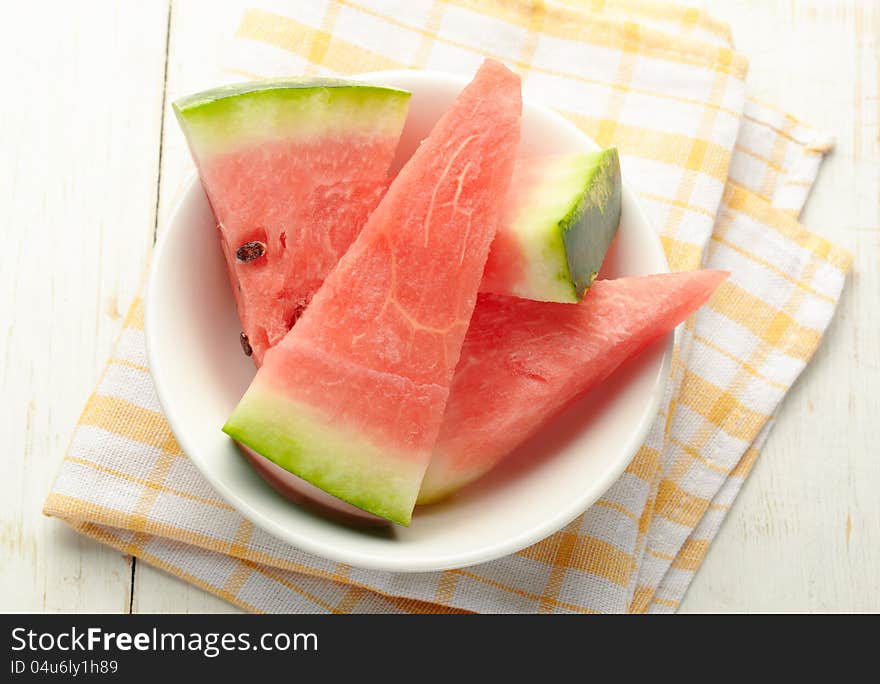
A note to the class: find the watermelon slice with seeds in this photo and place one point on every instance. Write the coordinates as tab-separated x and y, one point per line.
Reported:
292	169
523	361
352	398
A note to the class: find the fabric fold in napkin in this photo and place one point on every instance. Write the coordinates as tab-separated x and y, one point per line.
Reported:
722	178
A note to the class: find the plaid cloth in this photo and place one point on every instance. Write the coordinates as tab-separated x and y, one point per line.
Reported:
721	177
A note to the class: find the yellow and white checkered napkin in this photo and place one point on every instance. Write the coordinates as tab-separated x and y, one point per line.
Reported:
722	178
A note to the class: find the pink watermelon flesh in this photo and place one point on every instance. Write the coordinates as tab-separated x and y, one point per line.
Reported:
523	361
294	167
352	398
270	296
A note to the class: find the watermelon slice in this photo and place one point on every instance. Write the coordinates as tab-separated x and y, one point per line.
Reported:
292	169
561	215
352	398
523	361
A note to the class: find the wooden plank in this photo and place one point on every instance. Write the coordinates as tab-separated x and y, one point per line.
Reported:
199	30
805	532
81	115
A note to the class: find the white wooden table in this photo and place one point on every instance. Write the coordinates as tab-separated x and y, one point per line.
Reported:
91	159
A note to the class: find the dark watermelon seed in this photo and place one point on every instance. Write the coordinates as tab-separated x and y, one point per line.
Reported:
245	344
250	251
297	312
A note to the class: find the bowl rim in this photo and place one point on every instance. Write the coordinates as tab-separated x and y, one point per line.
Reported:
400	562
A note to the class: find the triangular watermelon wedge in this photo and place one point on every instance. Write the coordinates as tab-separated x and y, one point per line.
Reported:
523	361
292	169
352	398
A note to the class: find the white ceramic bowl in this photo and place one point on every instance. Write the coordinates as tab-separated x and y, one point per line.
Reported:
200	373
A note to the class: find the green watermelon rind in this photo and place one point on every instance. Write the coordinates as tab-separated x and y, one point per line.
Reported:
588	230
361	473
298	83
231	116
564	224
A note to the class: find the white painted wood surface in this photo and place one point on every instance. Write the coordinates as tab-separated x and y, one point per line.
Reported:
91	161
80	114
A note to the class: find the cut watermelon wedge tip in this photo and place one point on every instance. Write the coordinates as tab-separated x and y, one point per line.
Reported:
522	362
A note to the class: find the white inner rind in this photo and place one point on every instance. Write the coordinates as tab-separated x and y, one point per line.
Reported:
537	227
